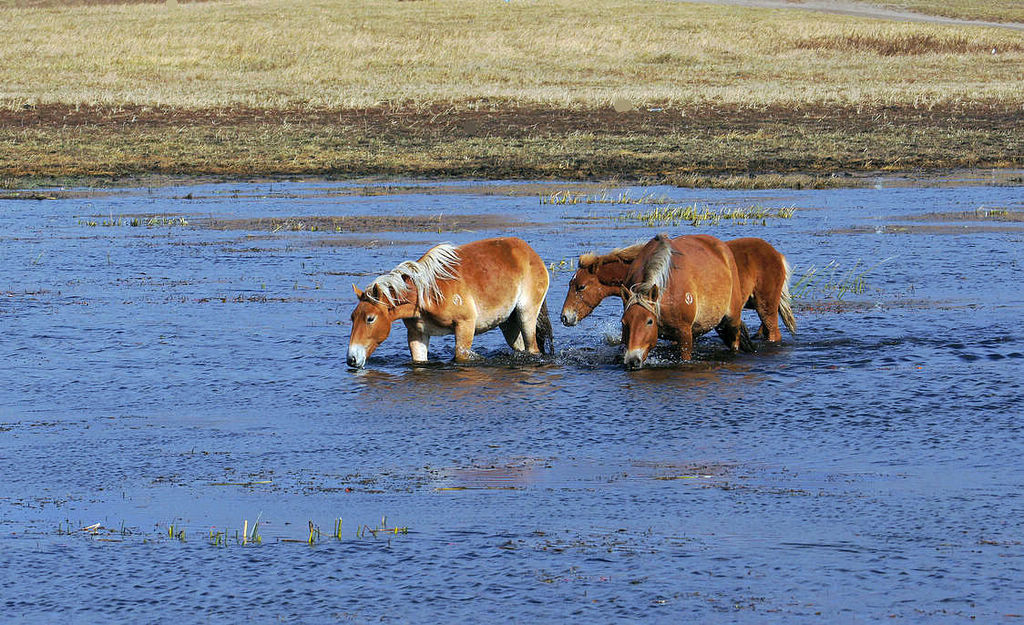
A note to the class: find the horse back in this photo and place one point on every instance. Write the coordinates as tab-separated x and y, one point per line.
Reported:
496	272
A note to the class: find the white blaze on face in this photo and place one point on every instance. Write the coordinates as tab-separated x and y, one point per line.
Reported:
356	355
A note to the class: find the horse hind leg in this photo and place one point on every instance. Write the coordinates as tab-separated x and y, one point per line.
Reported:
752	304
527	317
513	332
768	311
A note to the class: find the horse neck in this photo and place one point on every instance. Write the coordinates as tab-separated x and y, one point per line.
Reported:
407	306
612	274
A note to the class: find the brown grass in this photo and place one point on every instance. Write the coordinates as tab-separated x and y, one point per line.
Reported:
492	89
986	10
340	54
363	223
908	44
695	147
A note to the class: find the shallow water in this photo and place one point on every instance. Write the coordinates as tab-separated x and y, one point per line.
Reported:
868	467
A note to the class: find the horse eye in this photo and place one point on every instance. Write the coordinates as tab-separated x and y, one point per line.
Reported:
650	322
371	319
580	287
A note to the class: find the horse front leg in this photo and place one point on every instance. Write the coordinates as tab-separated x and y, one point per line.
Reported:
419	341
464	331
685	340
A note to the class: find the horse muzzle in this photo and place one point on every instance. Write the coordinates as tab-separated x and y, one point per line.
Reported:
569	318
633	359
356	356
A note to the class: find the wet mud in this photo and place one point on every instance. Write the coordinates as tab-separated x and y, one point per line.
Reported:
180	436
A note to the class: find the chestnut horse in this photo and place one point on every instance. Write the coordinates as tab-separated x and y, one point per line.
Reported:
763	272
596	278
461	290
681	288
764	280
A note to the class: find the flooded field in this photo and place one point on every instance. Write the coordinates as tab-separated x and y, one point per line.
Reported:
180	435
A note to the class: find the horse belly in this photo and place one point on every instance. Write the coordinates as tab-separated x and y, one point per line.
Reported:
433	329
708	318
489	319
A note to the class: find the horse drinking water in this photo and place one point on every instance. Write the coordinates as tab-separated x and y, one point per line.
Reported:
461	290
681	288
763	274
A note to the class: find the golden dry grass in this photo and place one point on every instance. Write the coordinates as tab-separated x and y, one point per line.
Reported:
496	89
986	10
355	53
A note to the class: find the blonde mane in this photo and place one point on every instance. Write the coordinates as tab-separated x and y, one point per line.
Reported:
657	271
625	254
438	263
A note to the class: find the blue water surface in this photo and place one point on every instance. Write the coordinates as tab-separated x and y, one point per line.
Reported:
166	387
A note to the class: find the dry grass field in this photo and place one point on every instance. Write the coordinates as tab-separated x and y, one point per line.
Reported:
986	10
518	89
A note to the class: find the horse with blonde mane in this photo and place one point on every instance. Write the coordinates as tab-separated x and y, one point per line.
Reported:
464	291
763	273
681	288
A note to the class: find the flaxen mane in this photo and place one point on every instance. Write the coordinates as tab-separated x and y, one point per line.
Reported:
438	263
624	254
657	270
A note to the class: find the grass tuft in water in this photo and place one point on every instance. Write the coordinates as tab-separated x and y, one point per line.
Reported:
699	215
832	281
623	197
134	222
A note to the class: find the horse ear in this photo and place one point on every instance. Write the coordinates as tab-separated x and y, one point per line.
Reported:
655	293
359	294
623	292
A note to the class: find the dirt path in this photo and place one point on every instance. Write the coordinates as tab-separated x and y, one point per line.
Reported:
857	9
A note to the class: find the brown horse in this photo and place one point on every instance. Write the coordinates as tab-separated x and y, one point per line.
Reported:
461	290
596	278
763	273
764	279
681	288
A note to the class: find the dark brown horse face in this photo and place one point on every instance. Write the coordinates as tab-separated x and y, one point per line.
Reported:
585	293
371	324
639	335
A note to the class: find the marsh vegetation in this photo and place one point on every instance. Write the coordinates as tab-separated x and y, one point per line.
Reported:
493	89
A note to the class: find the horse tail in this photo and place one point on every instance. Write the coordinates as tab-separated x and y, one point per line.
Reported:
785	303
544	331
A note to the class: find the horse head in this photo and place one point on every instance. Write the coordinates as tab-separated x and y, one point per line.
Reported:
371	324
585	291
640	316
